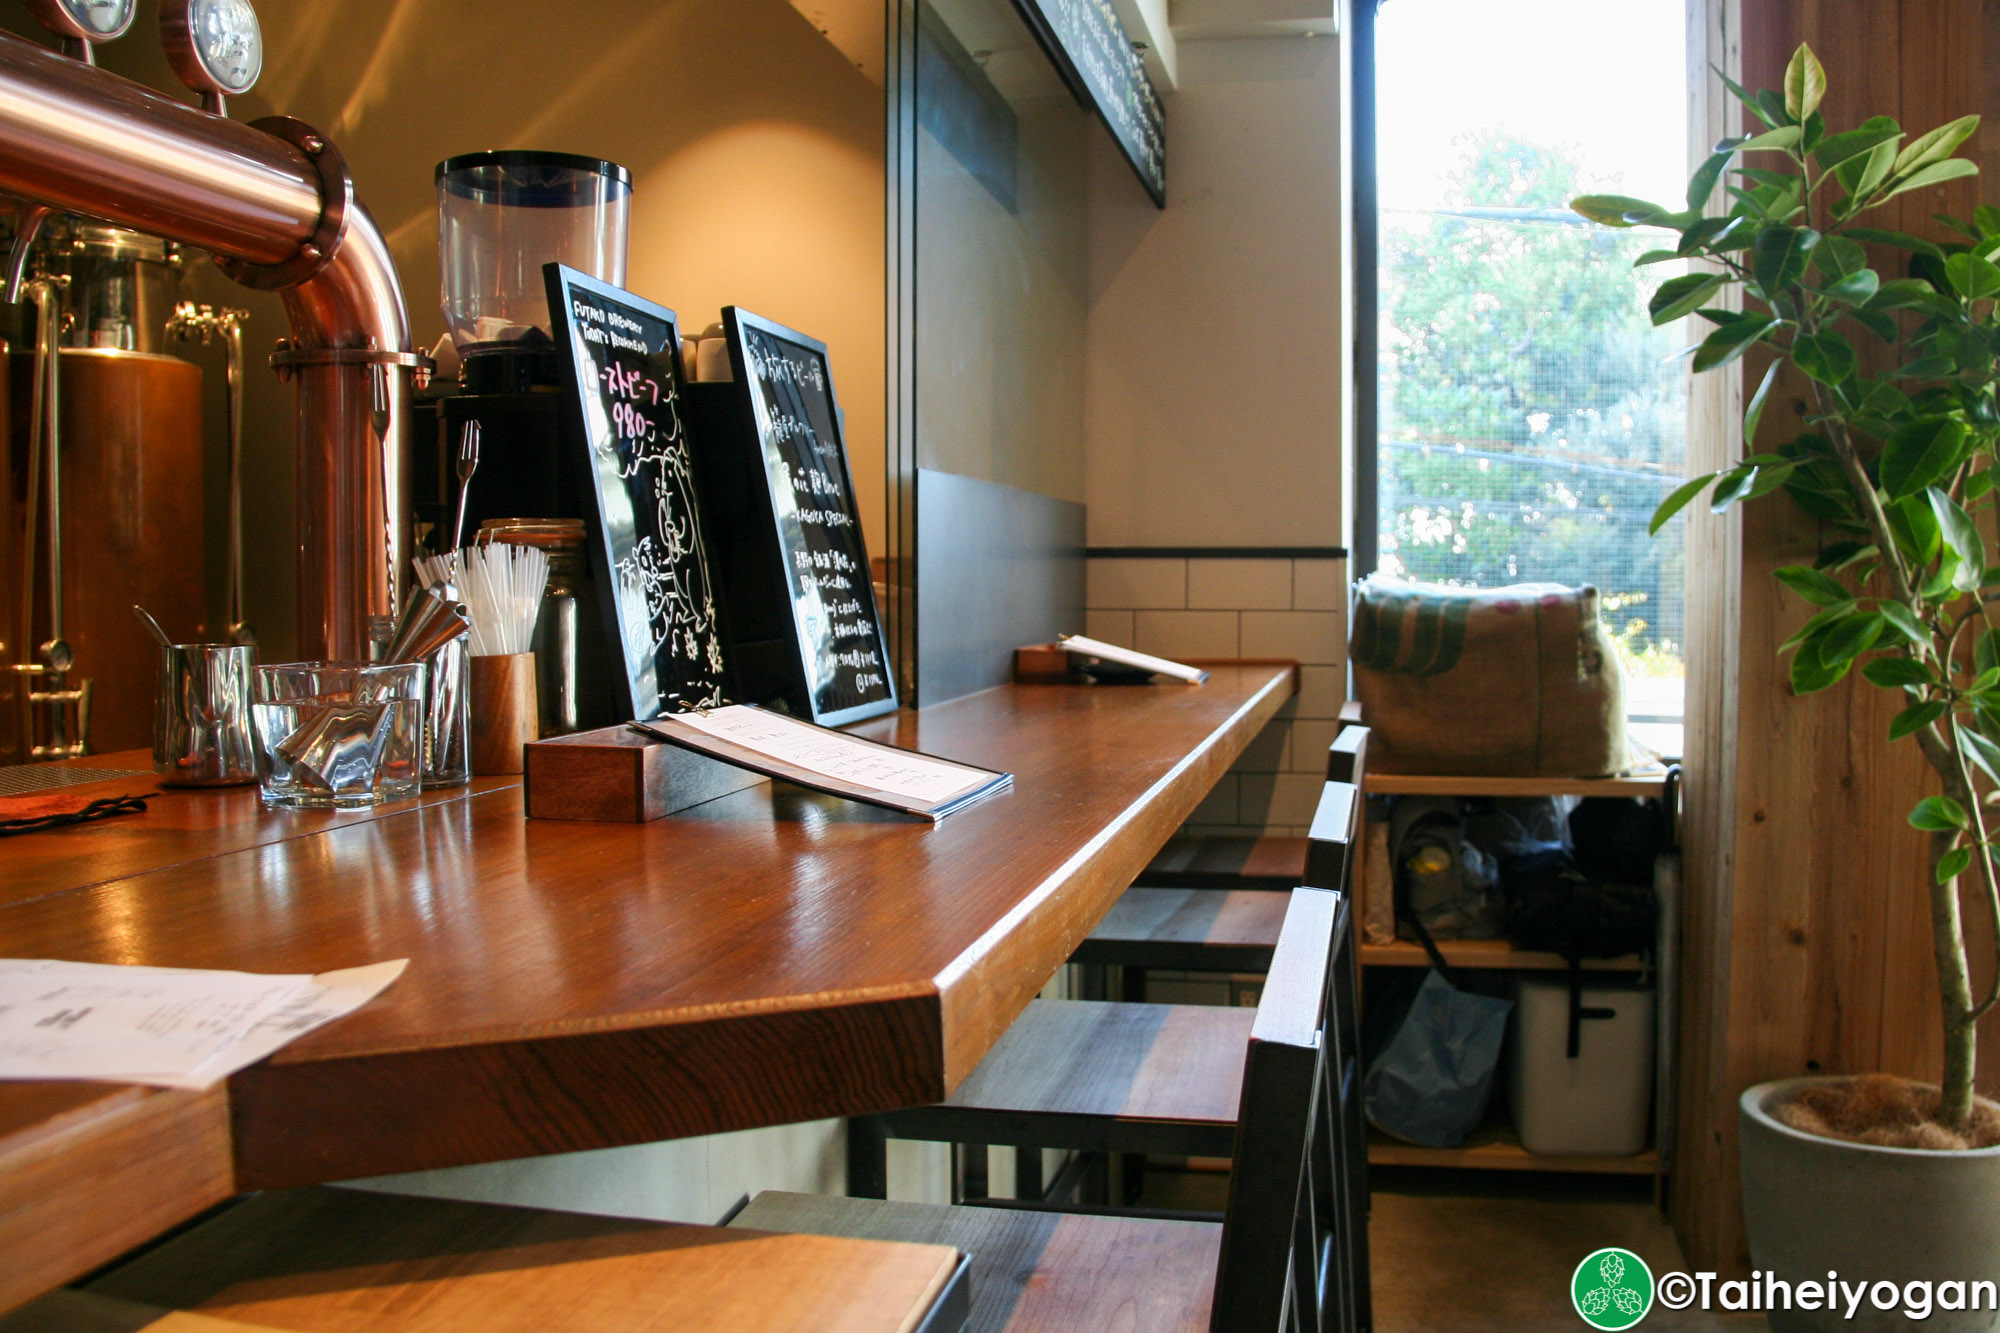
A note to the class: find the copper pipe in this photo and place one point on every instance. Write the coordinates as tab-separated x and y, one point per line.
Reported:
277	208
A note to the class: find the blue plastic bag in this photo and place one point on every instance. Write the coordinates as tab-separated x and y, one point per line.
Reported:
1429	1082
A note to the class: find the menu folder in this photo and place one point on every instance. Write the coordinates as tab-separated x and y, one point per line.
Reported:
826	760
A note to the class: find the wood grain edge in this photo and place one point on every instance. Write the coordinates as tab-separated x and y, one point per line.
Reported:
991	983
88	1183
335	1119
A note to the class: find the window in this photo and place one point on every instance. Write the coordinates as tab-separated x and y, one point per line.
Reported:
1529	417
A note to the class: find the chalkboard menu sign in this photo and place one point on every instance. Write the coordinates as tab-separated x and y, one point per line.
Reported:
774	475
619	354
1094	55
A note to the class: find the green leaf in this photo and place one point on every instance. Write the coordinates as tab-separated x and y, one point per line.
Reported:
1837	148
1827	357
1935	174
1897	293
1904	621
1857	288
1965	229
1986	651
1656	257
1920	454
1805	83
1771	107
1840	556
1987	219
1936	145
1731	341
1818	624
1938	814
1895	672
1616	210
1925	368
1961	537
1678	501
1730	487
1812	585
1876	322
1809	674
1702	183
1973	278
1837	257
1755	412
1983	752
1778	256
1785	136
1848	638
1902	240
1916	717
1952	864
1678	296
1875	169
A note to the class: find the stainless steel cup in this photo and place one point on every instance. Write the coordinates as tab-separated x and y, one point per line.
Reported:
203	732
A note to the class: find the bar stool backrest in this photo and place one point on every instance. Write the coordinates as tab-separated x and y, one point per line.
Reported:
1267	1280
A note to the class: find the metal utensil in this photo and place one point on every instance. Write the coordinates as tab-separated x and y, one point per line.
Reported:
152	625
468	463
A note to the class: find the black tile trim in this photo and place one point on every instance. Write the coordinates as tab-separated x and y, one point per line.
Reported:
1216	552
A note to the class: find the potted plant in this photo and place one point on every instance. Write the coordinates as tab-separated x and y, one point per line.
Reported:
1879	1179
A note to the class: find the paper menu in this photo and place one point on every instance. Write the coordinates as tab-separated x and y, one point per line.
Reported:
170	1027
836	755
823	759
1111	652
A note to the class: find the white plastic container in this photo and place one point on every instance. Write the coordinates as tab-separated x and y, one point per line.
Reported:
1596	1104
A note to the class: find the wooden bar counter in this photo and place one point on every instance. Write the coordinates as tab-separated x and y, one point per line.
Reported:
769	957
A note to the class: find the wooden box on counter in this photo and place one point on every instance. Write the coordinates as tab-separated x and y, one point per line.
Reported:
617	775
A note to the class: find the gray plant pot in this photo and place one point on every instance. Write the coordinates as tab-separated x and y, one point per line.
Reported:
1881	1214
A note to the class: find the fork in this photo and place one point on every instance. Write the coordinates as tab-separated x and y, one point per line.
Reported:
468	463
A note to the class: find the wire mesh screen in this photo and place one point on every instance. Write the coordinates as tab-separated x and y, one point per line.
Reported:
1531	416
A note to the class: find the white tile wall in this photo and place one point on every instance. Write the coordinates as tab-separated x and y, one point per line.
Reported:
1265	607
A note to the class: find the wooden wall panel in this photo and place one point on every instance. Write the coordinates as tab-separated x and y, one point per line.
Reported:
1808	944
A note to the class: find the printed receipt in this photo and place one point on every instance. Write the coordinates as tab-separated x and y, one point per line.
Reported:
878	768
167	1026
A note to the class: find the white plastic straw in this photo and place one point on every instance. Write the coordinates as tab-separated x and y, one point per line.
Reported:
501	585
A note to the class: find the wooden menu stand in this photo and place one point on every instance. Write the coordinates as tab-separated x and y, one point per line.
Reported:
616	775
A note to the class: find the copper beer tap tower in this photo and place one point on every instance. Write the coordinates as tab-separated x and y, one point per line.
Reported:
273	202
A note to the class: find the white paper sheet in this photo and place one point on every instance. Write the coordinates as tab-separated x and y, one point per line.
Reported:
1111	652
171	1027
897	772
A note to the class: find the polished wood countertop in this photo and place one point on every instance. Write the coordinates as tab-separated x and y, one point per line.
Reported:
769	957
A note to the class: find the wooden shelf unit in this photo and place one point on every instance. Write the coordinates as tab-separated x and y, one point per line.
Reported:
1495	1146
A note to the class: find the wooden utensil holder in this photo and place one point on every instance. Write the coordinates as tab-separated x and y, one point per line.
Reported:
503	712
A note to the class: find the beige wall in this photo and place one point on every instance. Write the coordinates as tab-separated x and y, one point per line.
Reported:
1213	374
1000	313
1214	396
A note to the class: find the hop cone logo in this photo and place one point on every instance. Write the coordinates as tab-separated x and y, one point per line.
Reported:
1612	1289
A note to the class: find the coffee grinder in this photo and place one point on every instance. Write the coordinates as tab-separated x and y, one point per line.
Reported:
501	217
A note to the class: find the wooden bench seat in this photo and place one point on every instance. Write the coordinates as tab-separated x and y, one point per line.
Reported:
1192	930
1039	1272
1099	1076
1227	862
330	1260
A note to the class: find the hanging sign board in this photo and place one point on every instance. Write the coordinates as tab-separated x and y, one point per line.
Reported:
619	357
1093	53
798	583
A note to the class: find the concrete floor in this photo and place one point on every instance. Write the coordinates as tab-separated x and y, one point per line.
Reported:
1493	1252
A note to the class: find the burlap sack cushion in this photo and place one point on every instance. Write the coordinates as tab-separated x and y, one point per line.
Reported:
1512	682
